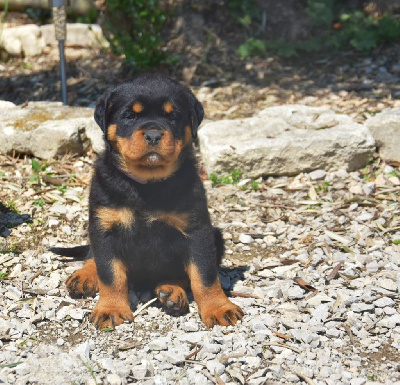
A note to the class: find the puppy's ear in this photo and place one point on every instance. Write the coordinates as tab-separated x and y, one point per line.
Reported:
197	113
101	112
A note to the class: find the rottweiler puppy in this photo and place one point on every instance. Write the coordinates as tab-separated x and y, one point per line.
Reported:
148	220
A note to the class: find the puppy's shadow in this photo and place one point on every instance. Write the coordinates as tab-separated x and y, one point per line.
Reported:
229	276
9	219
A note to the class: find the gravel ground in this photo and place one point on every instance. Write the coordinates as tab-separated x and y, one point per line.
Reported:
314	260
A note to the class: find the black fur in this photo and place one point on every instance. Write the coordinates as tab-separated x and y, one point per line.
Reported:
152	252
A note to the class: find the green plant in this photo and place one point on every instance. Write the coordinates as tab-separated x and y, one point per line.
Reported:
394	173
12	206
234	178
323	187
333	28
3	274
133	29
39	203
244	12
63	188
38	169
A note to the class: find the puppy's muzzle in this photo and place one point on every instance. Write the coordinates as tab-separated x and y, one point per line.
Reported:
153	137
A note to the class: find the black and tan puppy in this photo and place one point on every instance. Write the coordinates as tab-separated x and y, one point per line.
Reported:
148	218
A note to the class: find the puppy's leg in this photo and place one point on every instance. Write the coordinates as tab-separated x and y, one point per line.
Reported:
214	307
113	307
173	296
83	283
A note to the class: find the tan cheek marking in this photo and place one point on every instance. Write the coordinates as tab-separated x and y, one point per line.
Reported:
111	217
137	108
112	132
179	221
132	148
168	107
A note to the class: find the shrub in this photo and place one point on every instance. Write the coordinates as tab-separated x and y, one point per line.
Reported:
133	29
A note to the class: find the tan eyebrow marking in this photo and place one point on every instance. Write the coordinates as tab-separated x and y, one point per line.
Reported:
137	108
168	107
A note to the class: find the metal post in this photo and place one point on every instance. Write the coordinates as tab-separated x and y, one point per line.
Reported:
60	24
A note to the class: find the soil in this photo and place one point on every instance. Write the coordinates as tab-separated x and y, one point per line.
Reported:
229	87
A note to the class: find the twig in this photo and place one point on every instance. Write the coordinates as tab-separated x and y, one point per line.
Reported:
240	294
305	378
144	306
189	356
335	271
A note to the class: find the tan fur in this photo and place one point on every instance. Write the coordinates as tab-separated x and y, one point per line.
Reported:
179	221
113	307
137	108
110	217
84	280
168	107
214	307
133	152
112	132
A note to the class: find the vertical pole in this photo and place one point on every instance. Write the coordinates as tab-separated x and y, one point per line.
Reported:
60	25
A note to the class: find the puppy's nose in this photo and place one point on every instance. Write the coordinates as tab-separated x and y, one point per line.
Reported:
153	137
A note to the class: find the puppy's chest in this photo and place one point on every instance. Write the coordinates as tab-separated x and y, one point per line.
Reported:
126	219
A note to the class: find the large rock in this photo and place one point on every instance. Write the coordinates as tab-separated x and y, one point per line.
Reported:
285	140
78	35
47	129
31	40
26	39
385	128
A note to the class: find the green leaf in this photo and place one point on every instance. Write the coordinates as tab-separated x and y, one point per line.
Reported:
36	166
396	241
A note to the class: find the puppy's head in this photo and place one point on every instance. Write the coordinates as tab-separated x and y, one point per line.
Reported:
147	122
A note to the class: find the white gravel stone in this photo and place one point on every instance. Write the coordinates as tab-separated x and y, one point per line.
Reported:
215	367
388	284
383	302
317	174
245	238
159	344
113	379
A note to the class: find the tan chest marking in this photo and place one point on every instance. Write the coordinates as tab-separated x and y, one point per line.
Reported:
179	221
110	217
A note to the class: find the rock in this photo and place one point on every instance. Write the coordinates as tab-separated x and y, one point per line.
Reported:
46	129
113	379
31	40
214	366
383	302
302	335
369	188
385	128
388	284
11	44
190	326
285	140
360	307
29	37
317	174
78	35
159	344
244	238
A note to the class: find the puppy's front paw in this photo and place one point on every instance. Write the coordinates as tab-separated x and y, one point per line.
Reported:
173	298
111	316
84	282
224	314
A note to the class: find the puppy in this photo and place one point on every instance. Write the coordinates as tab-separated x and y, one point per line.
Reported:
148	220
